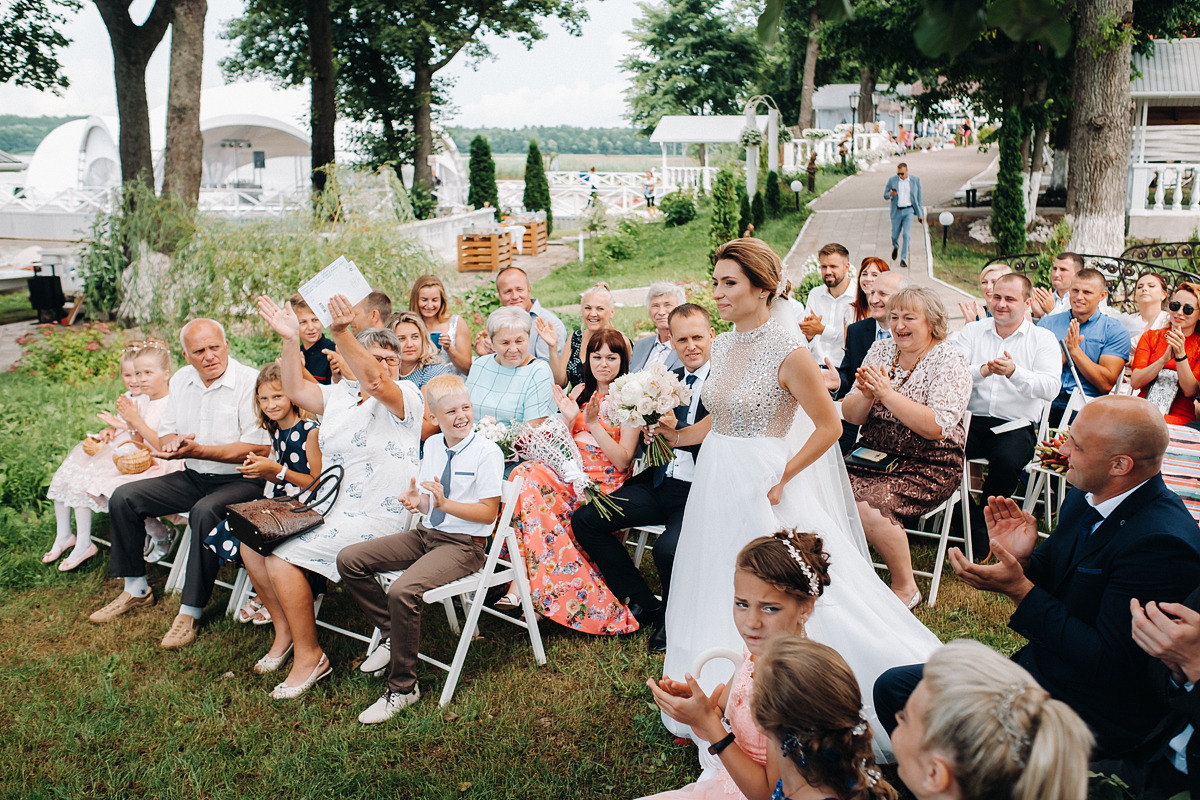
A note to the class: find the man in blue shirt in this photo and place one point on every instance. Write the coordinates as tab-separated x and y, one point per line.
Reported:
1097	344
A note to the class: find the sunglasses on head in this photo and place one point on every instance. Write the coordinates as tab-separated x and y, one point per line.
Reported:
1175	305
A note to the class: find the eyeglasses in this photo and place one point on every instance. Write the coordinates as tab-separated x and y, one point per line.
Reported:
391	361
1175	305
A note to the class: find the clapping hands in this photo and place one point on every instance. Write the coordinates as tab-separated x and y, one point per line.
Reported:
687	703
873	382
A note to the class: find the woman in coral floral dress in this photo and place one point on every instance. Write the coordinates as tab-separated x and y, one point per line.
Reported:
566	586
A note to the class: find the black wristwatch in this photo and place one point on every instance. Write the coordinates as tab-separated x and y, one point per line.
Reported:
715	748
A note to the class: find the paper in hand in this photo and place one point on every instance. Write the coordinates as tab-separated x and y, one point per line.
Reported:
340	277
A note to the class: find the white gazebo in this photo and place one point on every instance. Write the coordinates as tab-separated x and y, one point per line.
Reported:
1164	157
706	130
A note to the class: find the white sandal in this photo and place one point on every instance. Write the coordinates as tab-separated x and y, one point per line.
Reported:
248	611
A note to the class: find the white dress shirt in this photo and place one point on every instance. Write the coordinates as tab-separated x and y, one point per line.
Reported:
903	193
1037	373
220	414
660	351
476	473
835	313
683	467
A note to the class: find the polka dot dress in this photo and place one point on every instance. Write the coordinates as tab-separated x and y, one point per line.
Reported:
287	447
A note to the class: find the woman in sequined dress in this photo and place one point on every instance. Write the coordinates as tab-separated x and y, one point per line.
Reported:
764	467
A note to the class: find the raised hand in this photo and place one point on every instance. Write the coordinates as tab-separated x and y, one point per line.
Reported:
1171	633
833	379
874	382
1010	527
696	710
566	405
127	408
1175	344
591	412
483	344
1002	365
342	311
811	325
282	320
547	332
1043	301
112	421
1073	338
338	365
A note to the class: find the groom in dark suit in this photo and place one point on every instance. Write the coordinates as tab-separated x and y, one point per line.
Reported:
655	496
1123	535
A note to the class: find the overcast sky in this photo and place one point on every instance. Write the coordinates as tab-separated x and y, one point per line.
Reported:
562	80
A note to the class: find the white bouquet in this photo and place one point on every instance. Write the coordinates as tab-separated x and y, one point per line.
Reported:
551	444
641	399
501	433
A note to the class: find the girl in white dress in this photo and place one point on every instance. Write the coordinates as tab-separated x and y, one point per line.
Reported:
764	467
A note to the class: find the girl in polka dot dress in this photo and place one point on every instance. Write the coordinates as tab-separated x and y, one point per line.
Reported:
295	460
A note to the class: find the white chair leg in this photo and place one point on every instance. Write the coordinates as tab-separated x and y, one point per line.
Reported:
451	615
641	548
235	594
940	560
178	573
376	638
531	618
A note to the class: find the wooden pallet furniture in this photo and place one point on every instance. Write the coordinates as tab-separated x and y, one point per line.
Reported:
537	237
484	252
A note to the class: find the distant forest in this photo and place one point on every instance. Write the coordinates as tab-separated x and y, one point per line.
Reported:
559	139
21	135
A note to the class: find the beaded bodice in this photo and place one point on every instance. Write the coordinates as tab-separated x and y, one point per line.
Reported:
742	393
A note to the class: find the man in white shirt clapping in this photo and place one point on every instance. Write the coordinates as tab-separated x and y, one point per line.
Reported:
830	305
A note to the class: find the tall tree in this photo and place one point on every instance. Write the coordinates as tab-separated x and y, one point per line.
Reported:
691	59
30	38
537	188
183	160
132	46
481	176
323	100
808	86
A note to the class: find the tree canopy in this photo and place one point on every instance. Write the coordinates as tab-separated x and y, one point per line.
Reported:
30	38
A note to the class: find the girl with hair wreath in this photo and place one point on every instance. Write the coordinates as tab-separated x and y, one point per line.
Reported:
776	585
979	727
807	703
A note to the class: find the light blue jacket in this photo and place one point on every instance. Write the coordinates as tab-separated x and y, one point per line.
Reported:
914	184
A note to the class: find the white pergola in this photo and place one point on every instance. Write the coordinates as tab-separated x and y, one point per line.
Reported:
716	129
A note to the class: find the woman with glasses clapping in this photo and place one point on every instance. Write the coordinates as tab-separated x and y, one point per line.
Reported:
1166	364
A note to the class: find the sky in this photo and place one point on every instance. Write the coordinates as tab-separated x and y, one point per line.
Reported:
562	80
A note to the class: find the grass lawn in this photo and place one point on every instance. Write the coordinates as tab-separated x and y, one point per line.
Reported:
14	307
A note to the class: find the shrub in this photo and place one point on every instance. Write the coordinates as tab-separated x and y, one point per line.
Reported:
537	188
758	211
678	208
701	295
71	355
1008	200
481	175
774	196
724	211
619	247
480	300
745	219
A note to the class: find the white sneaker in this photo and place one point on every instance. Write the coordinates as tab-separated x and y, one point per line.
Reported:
388	704
379	659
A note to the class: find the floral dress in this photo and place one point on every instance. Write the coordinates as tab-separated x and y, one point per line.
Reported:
565	584
287	448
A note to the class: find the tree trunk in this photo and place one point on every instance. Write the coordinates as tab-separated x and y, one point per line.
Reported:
866	95
809	80
132	46
183	162
423	124
1101	120
322	108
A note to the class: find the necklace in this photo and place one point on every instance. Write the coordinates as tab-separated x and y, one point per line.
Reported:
896	364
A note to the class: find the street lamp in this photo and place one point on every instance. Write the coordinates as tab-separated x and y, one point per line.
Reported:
947	219
853	121
797	187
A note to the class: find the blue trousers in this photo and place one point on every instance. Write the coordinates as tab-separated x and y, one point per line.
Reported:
902	219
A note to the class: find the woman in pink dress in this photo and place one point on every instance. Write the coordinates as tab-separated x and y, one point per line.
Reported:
566	586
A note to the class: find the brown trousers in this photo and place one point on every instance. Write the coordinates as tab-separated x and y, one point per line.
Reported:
429	558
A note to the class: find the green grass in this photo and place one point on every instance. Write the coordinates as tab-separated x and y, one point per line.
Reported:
14	307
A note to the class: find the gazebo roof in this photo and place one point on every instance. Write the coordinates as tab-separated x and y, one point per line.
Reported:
1172	73
703	130
835	96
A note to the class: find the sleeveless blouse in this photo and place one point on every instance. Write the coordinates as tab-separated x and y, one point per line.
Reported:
742	393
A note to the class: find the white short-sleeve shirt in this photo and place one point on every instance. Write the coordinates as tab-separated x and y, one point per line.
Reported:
476	473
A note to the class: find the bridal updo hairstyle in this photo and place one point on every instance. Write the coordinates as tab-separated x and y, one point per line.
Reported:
1003	735
771	560
758	261
806	696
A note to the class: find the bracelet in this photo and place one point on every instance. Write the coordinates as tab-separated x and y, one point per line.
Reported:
677	435
715	748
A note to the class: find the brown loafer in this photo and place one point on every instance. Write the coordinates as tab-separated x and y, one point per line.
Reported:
124	603
182	633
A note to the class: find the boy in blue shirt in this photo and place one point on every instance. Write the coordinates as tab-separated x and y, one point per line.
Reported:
458	488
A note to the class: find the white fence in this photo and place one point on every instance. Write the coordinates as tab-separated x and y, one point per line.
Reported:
1150	185
619	192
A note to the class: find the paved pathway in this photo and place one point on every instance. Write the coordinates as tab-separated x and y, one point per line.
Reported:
855	214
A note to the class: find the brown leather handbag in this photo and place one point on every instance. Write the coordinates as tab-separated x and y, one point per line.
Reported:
268	522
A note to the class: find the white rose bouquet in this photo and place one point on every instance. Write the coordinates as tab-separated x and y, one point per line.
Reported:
551	444
641	399
504	435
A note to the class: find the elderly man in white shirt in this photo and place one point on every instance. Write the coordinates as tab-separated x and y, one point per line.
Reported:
210	421
830	305
514	289
1017	371
657	348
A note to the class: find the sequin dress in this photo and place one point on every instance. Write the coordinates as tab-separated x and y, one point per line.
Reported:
755	430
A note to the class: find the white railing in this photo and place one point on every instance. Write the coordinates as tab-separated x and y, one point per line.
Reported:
619	192
687	177
252	203
68	201
796	153
440	235
1149	185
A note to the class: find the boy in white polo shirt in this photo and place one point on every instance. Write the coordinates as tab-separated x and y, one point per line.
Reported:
458	488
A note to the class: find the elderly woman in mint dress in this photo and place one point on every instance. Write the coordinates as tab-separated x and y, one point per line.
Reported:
511	385
372	428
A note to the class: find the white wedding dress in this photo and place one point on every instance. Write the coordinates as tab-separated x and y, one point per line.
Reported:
756	428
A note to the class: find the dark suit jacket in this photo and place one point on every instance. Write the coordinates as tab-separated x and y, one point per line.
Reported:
859	338
1077	616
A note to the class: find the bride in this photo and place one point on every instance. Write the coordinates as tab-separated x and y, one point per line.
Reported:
764	467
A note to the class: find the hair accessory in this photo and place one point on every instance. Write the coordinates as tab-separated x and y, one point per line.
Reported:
873	774
1016	739
790	746
146	344
814	588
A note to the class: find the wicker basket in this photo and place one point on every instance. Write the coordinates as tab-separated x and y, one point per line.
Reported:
92	446
133	463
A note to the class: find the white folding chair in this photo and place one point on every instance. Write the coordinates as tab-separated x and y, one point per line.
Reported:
968	492
639	544
935	524
178	574
1042	480
473	591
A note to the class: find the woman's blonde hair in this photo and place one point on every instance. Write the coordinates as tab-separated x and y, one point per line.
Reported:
429	353
760	264
920	299
806	697
599	289
1006	737
424	282
154	348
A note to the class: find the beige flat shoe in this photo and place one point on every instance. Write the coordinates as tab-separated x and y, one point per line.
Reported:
124	603
182	632
323	670
270	663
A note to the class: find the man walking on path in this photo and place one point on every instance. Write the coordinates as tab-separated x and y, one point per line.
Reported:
904	193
